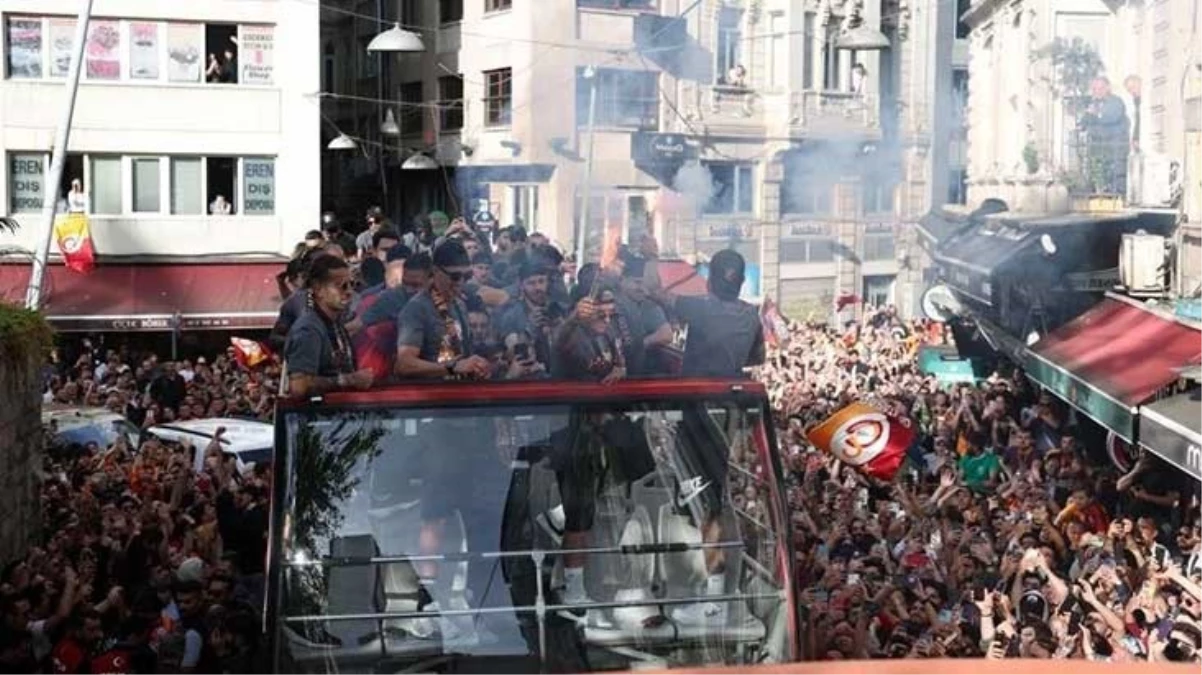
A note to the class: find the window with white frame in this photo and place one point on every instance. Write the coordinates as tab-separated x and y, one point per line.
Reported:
181	186
104	185
880	246
187	186
523	207
877	195
145	174
38	47
733	188
729	47
778	50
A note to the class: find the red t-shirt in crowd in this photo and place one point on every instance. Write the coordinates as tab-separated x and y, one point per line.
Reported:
68	656
115	661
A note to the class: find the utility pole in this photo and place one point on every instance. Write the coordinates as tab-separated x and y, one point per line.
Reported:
37	275
590	74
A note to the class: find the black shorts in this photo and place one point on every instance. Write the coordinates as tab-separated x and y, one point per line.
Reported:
580	470
705	454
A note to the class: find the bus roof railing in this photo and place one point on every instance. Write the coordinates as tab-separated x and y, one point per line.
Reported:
452	392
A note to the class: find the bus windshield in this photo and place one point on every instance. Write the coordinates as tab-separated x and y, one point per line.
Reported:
560	536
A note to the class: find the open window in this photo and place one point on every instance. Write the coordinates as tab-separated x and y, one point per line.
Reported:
72	171
221	53
221	174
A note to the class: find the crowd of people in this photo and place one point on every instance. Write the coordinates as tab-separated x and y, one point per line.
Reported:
1007	533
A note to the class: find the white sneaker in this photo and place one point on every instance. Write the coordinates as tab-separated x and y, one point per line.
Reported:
553	522
584	617
700	613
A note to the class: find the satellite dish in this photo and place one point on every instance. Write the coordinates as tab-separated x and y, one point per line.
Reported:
940	304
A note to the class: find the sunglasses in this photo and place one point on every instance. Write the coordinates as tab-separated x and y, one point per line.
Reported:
456	276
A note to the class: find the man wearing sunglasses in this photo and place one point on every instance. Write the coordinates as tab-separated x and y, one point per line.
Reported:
318	350
433	340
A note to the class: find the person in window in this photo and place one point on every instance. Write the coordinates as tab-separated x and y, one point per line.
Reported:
859	79
318	352
220	207
726	336
77	199
433	341
1108	133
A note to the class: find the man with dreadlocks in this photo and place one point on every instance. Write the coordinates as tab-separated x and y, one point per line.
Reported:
318	351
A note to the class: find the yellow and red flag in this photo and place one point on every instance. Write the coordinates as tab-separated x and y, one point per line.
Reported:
865	438
249	353
74	237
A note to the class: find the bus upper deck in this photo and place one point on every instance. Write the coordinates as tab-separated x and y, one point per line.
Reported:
529	526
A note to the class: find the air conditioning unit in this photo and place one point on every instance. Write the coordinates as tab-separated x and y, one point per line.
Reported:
1157	181
1143	262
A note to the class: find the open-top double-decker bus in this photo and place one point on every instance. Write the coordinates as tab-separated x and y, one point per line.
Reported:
421	527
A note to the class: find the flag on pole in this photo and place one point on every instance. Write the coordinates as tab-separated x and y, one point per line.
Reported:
863	437
74	237
249	353
776	330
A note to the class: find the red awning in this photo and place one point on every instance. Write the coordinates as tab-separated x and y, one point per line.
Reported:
1122	349
681	278
147	297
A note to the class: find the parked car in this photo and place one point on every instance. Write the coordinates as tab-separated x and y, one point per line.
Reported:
77	427
249	441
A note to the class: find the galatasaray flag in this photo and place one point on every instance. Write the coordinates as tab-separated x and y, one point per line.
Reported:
249	353
866	438
75	241
776	332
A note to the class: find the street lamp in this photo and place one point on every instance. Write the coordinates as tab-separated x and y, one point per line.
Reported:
419	162
862	38
396	39
389	126
342	142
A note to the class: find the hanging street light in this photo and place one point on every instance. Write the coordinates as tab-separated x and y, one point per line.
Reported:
396	39
419	162
862	38
342	142
389	126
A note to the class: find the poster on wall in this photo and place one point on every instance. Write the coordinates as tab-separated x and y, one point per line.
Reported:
185	49
25	48
143	51
258	185
104	51
256	44
62	39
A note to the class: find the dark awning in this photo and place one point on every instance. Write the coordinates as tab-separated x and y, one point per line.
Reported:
1113	358
1172	428
970	258
938	225
504	173
124	297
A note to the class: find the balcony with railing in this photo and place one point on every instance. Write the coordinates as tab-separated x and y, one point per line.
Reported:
834	112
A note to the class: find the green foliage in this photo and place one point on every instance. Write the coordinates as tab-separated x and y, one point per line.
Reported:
1076	64
24	334
1031	158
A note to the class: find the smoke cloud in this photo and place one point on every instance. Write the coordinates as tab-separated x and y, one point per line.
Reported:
695	184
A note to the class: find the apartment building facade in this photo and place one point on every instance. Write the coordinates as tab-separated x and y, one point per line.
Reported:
813	168
1080	259
195	140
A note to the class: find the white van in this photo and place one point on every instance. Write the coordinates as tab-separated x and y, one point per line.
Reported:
251	442
79	426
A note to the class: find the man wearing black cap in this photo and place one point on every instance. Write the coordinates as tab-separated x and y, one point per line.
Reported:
725	337
531	316
335	234
433	341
